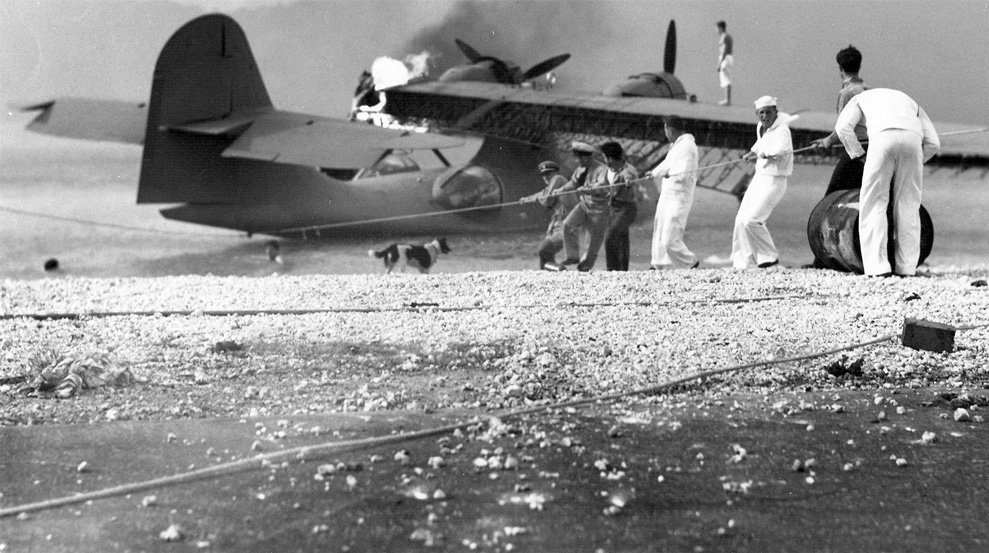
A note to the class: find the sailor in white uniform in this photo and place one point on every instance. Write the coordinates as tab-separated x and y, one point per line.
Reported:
752	246
901	140
676	196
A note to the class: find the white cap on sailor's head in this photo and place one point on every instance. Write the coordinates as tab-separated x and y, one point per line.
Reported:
579	147
765	102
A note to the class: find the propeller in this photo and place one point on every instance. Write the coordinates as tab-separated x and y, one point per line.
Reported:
544	67
473	55
508	73
670	54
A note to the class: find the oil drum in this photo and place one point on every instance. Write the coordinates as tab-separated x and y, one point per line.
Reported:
833	232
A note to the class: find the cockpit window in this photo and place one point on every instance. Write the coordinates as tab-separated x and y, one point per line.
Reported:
389	165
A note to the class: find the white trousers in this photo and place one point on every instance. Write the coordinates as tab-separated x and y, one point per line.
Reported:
751	243
894	155
668	249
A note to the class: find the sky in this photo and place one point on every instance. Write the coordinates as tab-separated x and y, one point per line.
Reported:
311	52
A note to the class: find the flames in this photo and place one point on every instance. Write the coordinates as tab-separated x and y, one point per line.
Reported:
388	72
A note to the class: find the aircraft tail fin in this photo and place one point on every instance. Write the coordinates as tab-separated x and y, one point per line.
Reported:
205	72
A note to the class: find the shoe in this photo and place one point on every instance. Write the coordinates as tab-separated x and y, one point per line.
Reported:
768	264
550	266
570	261
881	275
695	265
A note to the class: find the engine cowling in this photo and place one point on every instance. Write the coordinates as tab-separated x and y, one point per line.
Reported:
468	186
649	85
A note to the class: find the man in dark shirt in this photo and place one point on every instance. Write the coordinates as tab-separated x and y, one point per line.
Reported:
621	175
847	173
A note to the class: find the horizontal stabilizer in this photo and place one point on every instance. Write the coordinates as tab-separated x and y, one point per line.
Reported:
90	119
227	126
300	139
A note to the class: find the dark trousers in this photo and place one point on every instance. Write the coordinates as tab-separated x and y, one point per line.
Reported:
847	174
550	246
617	245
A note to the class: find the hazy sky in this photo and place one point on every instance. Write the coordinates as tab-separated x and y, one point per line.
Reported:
311	52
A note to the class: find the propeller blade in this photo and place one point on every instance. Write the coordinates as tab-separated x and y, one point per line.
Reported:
544	67
472	54
670	55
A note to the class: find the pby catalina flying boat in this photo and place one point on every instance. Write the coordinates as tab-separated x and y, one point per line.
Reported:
215	146
631	111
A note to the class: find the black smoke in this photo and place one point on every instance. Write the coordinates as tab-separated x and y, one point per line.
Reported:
524	33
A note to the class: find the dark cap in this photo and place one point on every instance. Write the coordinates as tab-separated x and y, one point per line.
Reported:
549	167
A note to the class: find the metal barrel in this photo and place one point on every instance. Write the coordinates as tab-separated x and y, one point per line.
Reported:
833	232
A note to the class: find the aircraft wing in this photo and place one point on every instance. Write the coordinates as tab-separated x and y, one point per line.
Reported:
529	114
90	119
300	139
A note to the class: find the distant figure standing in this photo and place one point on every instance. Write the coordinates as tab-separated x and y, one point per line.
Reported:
561	206
901	140
773	151
725	61
676	196
617	246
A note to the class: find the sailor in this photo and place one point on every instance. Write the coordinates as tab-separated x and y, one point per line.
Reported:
901	140
561	205
590	181
752	245
621	179
676	196
847	173
725	61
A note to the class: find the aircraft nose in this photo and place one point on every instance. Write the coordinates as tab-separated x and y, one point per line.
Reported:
470	186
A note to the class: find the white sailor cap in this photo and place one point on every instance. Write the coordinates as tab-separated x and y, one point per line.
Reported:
765	101
579	147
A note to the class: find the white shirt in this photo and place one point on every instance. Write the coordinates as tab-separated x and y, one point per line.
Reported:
882	109
679	169
774	147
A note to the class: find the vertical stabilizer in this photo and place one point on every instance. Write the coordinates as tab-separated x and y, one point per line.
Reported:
206	71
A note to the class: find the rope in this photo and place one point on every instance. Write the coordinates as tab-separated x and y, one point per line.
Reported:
556	194
306	452
414	215
414	306
106	225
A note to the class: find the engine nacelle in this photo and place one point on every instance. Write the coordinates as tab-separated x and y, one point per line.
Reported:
468	186
649	85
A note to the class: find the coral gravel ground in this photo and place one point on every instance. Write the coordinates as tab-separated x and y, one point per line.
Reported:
488	341
779	457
